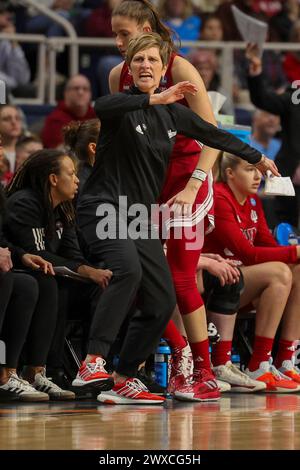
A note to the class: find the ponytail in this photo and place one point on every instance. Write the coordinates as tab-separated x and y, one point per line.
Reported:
226	160
142	11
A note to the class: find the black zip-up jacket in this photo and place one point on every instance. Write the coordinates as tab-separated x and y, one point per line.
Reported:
288	157
136	141
16	253
25	226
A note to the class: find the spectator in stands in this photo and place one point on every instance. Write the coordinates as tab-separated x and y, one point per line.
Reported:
284	106
5	173
268	8
206	6
76	106
212	29
42	24
282	23
270	271
10	130
178	15
25	146
14	68
81	139
225	14
40	220
207	64
264	127
98	24
291	63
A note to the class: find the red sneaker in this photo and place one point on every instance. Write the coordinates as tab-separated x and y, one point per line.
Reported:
181	368
130	392
202	388
93	375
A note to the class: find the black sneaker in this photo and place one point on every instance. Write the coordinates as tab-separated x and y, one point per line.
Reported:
148	381
59	377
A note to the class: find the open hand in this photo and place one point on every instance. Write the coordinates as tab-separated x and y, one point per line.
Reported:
176	92
265	164
255	63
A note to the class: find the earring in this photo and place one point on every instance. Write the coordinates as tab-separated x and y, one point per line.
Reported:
163	81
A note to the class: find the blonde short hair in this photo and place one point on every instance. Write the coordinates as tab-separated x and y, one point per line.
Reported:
146	41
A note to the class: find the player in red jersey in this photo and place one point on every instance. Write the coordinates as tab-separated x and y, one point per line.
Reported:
271	275
192	198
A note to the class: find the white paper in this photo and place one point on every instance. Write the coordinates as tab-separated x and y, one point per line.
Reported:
217	100
251	29
279	186
66	272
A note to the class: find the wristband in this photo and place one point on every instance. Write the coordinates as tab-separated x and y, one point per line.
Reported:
199	175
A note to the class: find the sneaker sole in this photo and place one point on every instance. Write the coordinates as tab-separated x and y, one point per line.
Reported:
282	390
34	399
101	384
241	389
116	400
62	397
190	397
9	399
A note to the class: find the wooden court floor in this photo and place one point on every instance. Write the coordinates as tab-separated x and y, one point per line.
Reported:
237	422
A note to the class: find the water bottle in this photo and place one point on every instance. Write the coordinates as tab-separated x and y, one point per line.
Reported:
235	357
162	359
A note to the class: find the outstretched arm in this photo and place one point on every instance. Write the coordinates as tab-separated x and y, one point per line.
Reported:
191	125
112	106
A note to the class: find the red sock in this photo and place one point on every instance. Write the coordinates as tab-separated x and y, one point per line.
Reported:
285	352
262	350
173	337
200	353
221	353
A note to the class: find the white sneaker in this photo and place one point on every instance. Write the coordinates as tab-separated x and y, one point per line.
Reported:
240	382
21	390
44	384
223	386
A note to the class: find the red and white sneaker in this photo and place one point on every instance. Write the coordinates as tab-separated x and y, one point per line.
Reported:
203	387
275	381
130	392
288	369
92	375
181	368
